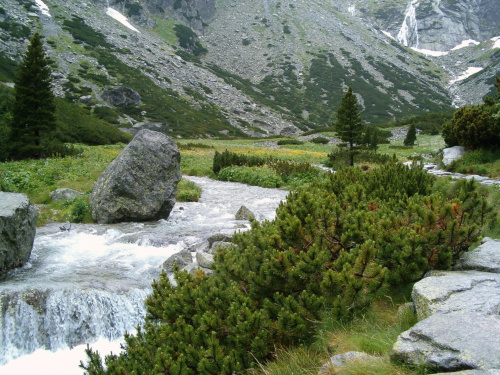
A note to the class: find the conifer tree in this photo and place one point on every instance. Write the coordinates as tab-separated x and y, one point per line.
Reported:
348	126
33	109
411	136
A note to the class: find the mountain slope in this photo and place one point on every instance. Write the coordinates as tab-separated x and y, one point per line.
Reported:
259	67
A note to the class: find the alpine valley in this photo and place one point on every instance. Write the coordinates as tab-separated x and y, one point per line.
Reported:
258	67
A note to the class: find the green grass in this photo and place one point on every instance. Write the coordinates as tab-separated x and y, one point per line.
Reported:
165	28
425	144
373	333
188	191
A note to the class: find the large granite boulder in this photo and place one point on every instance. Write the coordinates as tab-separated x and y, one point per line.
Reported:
17	230
452	153
452	342
485	257
119	96
141	183
449	291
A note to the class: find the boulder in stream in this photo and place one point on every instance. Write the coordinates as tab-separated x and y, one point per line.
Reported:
17	230
141	183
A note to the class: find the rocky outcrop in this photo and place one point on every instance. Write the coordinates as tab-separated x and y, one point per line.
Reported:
459	316
452	153
141	183
119	96
17	230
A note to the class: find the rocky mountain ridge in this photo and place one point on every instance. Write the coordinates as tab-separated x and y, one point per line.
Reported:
271	66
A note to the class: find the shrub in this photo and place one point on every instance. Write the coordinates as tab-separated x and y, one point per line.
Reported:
340	158
331	246
227	159
251	175
320	140
283	142
473	127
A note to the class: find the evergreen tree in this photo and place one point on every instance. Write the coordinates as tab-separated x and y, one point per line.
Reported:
411	136
349	127
33	109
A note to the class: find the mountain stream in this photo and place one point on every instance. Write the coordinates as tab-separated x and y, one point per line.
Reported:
88	284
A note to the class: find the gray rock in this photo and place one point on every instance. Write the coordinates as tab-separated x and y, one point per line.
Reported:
453	153
119	96
289	131
219	237
341	359
141	183
17	230
485	257
204	260
244	214
452	342
450	291
64	194
182	259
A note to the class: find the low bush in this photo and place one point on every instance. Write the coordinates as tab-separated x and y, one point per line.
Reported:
256	176
227	159
283	142
339	158
331	248
320	140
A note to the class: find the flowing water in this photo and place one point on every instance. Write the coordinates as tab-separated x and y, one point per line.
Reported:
87	285
408	33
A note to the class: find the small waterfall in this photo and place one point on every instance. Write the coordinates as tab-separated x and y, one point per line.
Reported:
408	33
54	320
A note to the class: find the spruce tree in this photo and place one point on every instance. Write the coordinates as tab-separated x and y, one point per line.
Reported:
411	136
348	126
33	109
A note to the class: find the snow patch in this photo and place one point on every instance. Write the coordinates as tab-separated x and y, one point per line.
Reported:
428	52
43	7
120	18
465	43
470	71
496	41
386	33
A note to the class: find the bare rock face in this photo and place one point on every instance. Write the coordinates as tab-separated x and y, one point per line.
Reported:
119	96
17	230
141	183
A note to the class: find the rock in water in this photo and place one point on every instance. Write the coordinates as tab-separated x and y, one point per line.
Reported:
244	214
141	183
17	230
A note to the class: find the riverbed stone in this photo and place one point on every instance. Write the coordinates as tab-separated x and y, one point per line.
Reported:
452	342
485	257
449	291
244	214
182	259
141	183
452	153
219	237
204	260
17	230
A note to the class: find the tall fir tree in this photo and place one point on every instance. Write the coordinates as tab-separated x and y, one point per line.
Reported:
33	110
349	126
411	136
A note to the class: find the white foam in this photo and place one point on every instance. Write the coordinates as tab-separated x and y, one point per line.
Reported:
465	43
43	7
352	9
120	18
470	71
428	52
64	361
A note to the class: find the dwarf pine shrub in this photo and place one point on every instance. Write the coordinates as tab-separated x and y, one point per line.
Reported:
333	246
